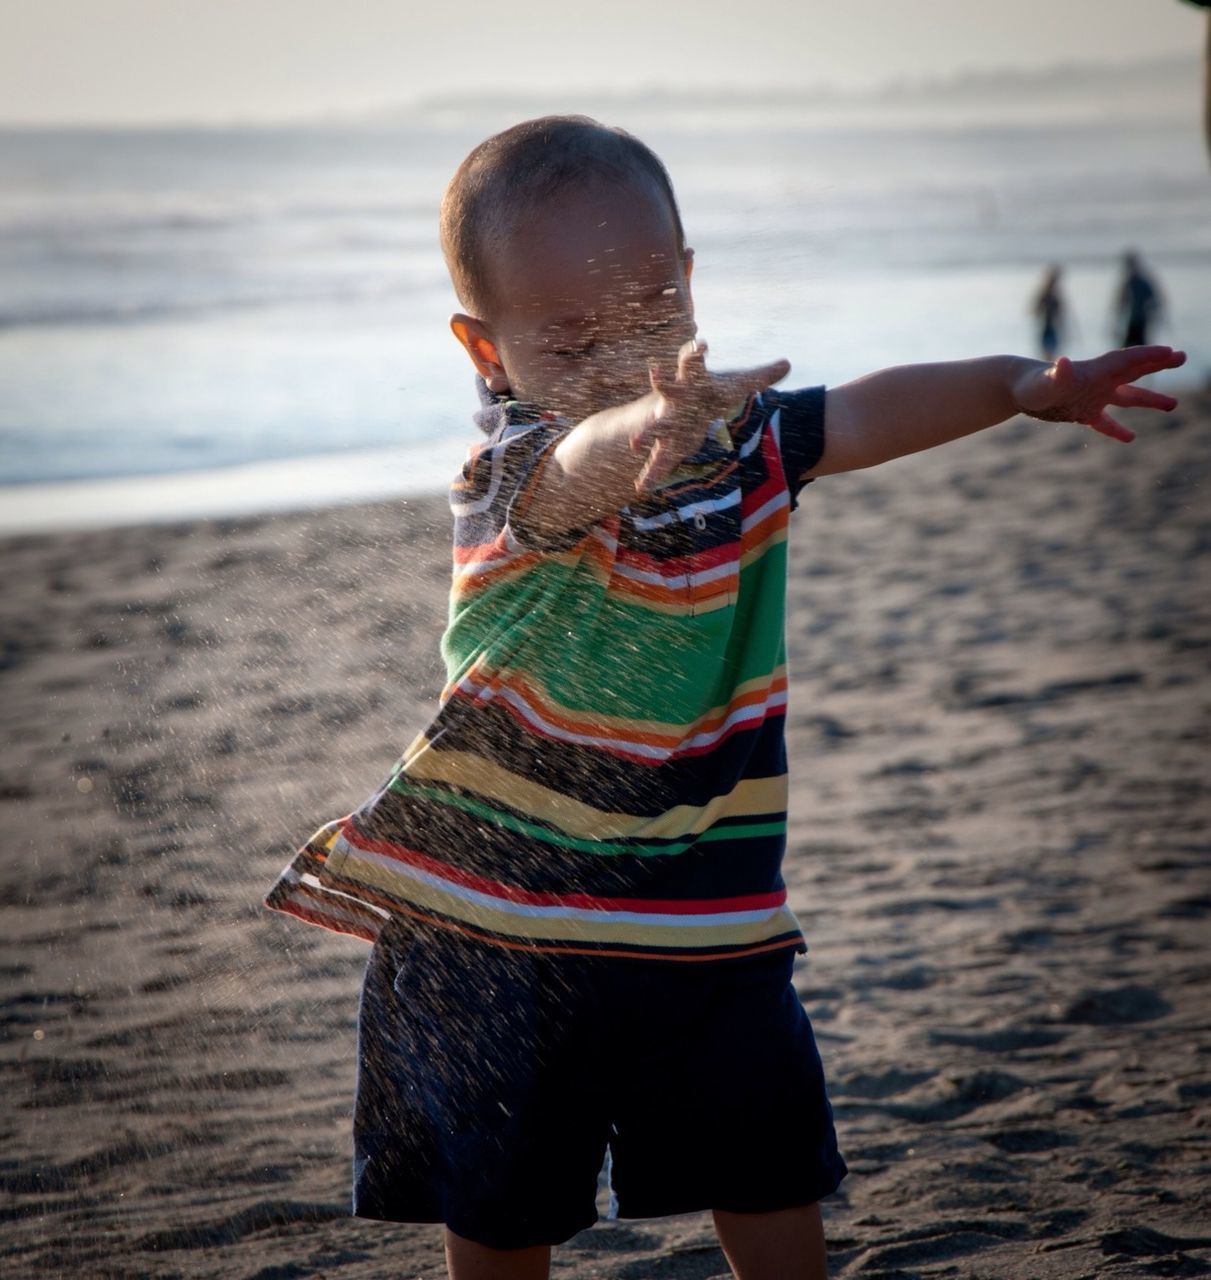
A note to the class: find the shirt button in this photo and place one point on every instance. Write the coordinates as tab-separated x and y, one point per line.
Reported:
699	520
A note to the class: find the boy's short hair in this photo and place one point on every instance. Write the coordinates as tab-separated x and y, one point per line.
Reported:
511	173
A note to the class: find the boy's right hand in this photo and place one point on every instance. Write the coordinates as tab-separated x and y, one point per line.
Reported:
1085	390
684	406
597	468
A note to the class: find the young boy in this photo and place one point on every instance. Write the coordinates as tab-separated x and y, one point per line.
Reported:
572	877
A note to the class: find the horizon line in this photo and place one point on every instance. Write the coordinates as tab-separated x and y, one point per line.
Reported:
820	93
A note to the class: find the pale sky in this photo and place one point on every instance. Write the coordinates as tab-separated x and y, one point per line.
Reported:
141	61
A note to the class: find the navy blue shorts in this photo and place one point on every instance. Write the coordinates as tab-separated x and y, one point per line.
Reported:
491	1083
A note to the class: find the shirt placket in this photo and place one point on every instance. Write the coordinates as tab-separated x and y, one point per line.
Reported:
695	526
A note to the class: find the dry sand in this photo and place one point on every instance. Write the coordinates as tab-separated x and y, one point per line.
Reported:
1000	851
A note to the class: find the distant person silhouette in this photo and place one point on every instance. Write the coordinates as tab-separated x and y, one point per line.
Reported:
1138	303
1049	311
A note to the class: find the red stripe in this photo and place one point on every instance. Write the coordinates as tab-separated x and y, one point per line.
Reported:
743	725
695	562
496	549
293	907
774	483
550	947
510	893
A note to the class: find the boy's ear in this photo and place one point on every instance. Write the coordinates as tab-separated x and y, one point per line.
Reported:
477	343
687	259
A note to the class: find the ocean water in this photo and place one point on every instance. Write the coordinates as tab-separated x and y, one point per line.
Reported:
203	321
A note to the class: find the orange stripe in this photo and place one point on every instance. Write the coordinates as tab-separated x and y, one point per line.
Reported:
486	551
691	593
604	726
296	905
761	532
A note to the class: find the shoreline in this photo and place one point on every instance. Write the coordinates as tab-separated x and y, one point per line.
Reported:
255	490
999	846
312	482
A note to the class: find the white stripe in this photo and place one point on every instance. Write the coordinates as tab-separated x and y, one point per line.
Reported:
333	909
779	500
478	568
689	511
723	570
511	543
753	442
565	735
755	712
647	575
533	911
498	467
607	539
653	522
774	699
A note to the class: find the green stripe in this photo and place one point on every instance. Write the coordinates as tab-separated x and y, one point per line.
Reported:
595	653
534	831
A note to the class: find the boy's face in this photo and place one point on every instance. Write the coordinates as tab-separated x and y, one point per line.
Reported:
586	294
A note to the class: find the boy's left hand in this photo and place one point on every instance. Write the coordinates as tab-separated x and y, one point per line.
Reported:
1081	390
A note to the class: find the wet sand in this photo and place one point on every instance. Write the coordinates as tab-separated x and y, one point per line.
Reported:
1000	850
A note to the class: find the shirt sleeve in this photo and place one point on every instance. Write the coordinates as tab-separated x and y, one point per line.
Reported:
800	434
490	495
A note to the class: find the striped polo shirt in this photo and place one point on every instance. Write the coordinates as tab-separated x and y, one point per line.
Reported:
606	770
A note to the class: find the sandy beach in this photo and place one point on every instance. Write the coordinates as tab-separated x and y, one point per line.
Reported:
1000	852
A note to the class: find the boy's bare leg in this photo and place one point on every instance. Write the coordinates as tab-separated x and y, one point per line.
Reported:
785	1245
466	1260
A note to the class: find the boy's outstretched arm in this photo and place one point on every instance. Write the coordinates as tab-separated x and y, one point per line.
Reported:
912	407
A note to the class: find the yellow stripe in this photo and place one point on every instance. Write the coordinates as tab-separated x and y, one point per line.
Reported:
755	553
483	777
673	609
